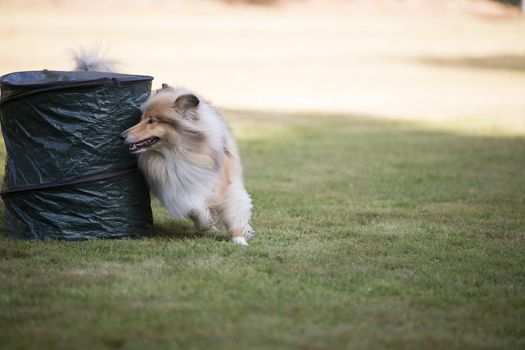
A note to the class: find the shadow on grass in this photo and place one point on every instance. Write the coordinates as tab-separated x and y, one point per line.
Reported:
322	170
168	230
175	229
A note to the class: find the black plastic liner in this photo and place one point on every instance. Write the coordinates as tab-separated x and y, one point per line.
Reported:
67	174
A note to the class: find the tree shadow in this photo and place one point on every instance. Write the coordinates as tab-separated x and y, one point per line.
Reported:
328	167
500	62
252	2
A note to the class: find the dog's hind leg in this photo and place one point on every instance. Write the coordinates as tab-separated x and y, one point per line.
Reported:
235	214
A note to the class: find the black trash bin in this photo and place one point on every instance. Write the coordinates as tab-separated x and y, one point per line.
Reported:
67	174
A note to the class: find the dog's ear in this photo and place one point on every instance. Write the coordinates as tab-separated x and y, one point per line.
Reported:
164	88
186	102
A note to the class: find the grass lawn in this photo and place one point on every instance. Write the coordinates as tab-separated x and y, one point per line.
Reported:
371	234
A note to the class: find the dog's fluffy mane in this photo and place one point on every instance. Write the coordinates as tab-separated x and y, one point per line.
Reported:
205	119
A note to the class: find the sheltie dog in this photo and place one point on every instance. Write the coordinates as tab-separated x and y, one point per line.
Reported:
190	160
188	156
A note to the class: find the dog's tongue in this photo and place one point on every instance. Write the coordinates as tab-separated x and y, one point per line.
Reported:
141	143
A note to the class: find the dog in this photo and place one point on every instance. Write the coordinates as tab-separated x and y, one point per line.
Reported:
191	162
188	156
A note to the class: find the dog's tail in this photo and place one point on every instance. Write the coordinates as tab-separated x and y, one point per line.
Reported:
92	61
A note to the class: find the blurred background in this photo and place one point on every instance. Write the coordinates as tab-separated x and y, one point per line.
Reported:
457	64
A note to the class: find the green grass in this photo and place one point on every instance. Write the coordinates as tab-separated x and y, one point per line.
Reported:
371	234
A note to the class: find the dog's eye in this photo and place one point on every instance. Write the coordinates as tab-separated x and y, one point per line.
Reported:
150	121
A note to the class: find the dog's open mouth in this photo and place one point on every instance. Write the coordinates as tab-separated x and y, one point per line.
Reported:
137	146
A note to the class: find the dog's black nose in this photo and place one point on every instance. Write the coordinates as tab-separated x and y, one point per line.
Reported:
123	135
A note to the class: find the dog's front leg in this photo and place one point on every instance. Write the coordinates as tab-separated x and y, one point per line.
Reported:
203	220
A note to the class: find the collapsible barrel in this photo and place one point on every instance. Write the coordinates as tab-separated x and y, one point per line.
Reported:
67	173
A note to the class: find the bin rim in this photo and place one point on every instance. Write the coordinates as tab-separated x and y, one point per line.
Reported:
25	83
47	78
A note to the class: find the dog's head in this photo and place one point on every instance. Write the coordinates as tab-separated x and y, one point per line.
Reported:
169	119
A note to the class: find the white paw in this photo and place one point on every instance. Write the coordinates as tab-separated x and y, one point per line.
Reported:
239	240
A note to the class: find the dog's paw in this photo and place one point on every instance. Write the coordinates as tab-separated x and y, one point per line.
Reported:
239	240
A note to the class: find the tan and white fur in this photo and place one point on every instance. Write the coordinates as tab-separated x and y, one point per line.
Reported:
191	162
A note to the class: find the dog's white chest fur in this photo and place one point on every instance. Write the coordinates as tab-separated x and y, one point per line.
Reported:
182	187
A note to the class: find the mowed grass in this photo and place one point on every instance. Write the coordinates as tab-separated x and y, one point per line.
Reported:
371	234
